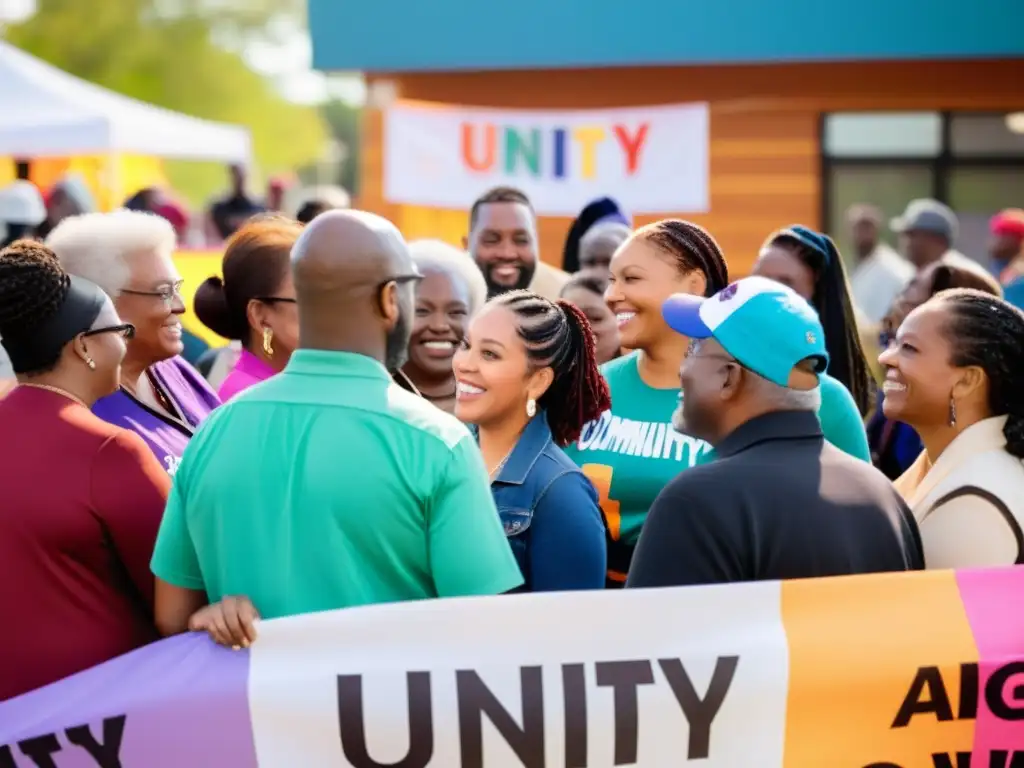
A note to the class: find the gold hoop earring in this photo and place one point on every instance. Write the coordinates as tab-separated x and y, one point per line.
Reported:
531	408
268	337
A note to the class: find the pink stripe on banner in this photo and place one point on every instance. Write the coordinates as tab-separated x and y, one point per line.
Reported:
994	602
179	703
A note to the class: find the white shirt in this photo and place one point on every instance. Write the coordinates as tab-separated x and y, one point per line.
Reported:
969	504
877	280
6	372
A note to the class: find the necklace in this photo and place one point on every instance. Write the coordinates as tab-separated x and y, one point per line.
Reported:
57	391
501	464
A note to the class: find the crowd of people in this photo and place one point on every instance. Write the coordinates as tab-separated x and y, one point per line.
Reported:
400	421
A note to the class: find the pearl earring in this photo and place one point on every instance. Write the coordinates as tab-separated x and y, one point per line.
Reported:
531	407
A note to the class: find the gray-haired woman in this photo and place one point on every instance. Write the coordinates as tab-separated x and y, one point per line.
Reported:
451	292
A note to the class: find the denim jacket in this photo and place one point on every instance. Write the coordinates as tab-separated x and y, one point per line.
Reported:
550	513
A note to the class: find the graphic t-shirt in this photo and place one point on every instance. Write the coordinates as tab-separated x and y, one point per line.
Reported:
630	453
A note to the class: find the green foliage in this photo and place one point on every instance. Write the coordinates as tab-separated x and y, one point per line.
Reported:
345	122
168	52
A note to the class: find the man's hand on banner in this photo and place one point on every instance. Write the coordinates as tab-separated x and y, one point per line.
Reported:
230	622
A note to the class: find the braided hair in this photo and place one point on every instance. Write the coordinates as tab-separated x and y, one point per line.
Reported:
557	334
693	248
33	287
988	332
847	362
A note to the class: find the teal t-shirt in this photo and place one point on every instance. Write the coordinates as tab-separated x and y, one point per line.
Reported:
841	422
329	486
630	453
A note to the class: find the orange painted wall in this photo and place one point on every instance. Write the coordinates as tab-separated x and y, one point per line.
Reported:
765	155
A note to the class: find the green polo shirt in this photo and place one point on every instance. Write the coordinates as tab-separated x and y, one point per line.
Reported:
329	486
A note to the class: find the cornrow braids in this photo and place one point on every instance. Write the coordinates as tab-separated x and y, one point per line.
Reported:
847	362
693	248
32	288
557	334
988	332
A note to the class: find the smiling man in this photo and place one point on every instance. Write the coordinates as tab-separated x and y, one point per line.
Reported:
778	501
503	242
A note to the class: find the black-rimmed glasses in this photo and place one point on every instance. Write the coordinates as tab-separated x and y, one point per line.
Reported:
126	331
165	293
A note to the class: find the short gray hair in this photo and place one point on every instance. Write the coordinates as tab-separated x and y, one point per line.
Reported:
101	246
611	234
786	398
439	256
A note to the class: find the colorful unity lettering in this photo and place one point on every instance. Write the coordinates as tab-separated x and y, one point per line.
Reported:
549	151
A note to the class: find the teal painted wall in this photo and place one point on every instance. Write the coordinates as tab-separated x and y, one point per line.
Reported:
439	35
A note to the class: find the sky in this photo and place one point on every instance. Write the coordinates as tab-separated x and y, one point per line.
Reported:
288	65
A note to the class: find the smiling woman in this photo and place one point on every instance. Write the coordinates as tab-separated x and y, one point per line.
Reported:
128	254
451	292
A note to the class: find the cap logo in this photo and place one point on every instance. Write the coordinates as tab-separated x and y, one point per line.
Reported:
811	338
728	292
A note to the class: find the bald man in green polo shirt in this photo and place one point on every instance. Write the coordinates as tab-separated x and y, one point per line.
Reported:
328	485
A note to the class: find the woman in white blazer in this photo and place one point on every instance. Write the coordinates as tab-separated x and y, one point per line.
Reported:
955	373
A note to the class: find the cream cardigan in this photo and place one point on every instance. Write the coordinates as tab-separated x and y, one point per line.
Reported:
969	504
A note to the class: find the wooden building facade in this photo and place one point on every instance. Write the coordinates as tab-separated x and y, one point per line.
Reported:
772	159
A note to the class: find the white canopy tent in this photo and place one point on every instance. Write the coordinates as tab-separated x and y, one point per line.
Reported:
45	112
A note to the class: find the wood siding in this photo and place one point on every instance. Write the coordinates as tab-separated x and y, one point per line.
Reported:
765	154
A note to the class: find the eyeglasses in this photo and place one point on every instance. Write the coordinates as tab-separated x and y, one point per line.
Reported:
275	300
126	331
166	293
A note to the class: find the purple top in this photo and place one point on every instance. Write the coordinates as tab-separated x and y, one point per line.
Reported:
248	370
167	437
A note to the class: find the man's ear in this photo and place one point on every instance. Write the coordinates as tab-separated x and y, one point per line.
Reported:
733	382
388	301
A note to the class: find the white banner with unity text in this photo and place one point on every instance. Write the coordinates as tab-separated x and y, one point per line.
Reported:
577	682
650	159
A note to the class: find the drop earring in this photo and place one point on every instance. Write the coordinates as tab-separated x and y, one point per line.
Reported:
952	411
268	337
531	408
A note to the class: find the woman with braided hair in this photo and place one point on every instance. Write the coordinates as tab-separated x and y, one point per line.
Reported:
83	499
954	374
527	378
631	451
809	263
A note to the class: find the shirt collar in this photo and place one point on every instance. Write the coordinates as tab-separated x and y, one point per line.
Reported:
319	362
923	476
251	365
528	448
777	425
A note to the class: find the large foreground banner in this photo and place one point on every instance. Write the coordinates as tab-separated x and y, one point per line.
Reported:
917	671
652	159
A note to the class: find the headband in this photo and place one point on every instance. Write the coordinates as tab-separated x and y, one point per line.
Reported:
816	241
37	347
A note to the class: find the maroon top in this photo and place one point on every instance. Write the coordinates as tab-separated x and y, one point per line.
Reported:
80	505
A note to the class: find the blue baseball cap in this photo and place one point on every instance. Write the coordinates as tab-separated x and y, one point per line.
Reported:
765	325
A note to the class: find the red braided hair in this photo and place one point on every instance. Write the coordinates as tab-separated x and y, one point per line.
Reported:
558	334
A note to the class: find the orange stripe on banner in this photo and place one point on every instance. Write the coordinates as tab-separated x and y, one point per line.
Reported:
856	647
